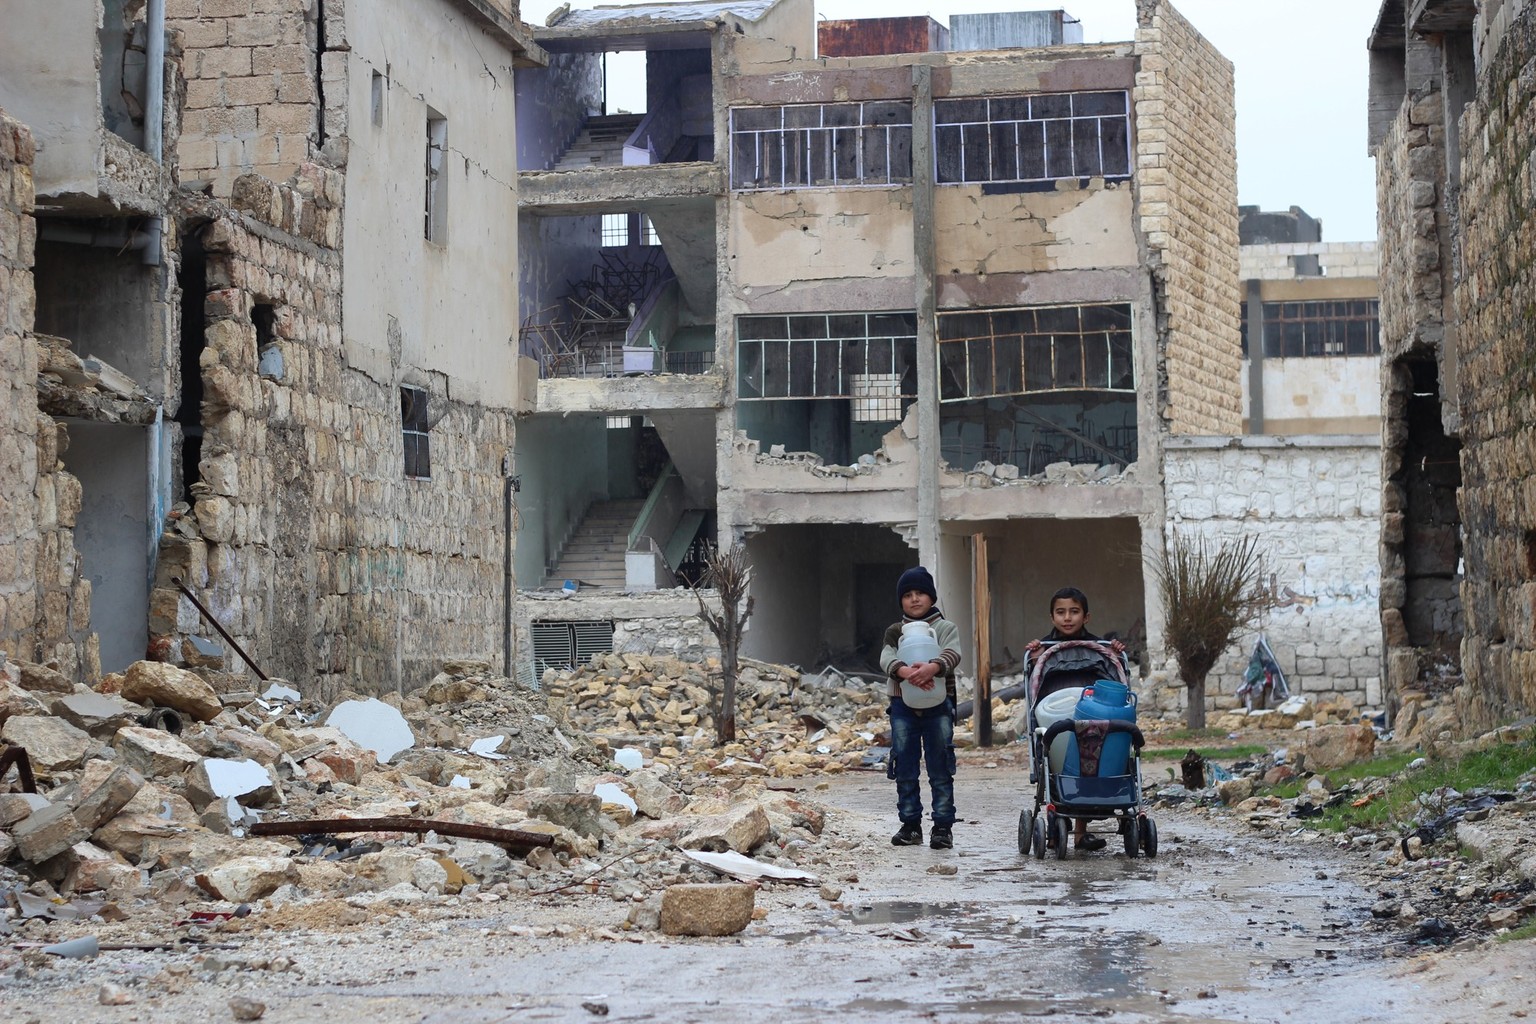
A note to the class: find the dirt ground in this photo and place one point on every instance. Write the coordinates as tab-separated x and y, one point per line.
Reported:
1226	924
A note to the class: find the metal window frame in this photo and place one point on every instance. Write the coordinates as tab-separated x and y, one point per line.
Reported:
1084	336
987	125
825	132
1315	325
844	372
409	429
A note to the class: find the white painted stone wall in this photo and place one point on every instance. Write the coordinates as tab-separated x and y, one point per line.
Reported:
1314	505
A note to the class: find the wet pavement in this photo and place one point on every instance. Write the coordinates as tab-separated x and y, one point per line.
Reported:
1224	925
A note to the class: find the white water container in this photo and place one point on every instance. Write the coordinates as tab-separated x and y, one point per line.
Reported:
916	647
1052	708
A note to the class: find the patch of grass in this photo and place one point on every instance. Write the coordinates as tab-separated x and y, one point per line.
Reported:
1495	768
1187	735
1525	931
1233	753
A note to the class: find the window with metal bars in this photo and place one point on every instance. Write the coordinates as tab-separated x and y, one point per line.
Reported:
567	645
1033	138
414	427
983	353
1339	327
828	355
821	145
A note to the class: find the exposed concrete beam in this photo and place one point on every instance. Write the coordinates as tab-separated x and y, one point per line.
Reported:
1426	16
927	345
601	189
507	29
638	395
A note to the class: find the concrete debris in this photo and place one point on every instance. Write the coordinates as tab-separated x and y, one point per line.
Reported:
52	744
746	869
162	685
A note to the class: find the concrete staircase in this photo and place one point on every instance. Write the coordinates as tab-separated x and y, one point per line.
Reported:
601	142
594	556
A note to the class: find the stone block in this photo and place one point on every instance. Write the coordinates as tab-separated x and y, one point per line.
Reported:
1334	746
52	744
167	686
707	909
47	833
156	754
14	701
582	813
246	878
42	679
740	829
102	804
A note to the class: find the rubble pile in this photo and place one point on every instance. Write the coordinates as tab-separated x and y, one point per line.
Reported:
788	724
163	794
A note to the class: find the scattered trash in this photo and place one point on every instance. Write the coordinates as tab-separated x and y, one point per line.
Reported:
373	725
75	949
738	865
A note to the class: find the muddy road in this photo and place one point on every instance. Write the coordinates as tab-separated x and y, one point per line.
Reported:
1223	925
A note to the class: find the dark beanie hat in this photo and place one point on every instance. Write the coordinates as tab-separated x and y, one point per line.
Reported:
917	578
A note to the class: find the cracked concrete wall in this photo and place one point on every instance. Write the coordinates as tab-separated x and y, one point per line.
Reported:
782	238
1033	232
1186	173
49	81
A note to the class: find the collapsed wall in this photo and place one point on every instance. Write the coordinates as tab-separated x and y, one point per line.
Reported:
1496	299
308	535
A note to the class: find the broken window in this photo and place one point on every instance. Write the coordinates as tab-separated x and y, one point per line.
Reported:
822	355
1033	138
1345	327
413	430
821	145
983	353
437	180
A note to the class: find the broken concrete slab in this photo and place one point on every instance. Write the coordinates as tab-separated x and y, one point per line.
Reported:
96	713
167	686
52	744
47	833
156	754
216	778
582	813
374	725
705	909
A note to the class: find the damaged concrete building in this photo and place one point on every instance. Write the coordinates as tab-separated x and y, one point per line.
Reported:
1451	103
322	440
730	300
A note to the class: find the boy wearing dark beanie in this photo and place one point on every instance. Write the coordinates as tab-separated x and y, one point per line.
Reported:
923	722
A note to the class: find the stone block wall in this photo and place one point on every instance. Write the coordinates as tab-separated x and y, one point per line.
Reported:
1410	166
254	85
330	567
1186	177
1496	300
1314	506
44	603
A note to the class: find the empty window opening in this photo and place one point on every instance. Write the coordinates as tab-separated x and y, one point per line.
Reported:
1034	431
830	384
193	278
1032	138
437	178
376	98
1429	477
1343	327
567	645
1035	349
414	426
264	316
820	145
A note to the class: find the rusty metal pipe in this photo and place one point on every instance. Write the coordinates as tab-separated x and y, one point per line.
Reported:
10	755
215	624
517	839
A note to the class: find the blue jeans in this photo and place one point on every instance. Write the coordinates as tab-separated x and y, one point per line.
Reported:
916	736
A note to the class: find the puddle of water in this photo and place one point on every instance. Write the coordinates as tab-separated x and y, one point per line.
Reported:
902	912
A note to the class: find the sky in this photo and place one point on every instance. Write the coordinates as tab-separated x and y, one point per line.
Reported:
1301	71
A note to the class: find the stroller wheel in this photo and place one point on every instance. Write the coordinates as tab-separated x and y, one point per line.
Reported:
1132	835
1062	833
1038	839
1026	830
1149	836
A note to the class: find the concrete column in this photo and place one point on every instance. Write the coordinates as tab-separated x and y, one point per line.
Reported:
927	346
1255	300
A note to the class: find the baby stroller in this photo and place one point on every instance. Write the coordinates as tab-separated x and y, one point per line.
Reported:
1074	783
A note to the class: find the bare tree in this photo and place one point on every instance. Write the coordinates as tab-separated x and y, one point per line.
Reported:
728	572
1207	591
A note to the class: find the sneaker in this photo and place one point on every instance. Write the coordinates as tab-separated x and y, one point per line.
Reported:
910	835
942	839
1091	842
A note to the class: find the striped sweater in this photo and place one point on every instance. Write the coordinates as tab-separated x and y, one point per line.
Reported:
944	631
